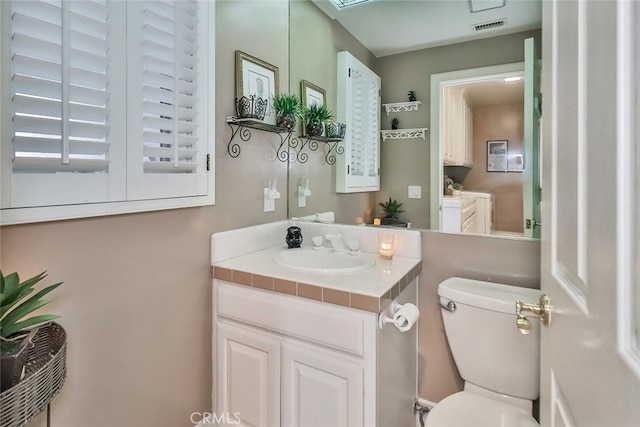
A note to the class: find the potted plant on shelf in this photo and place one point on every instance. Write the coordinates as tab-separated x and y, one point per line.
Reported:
391	210
314	117
412	95
287	107
394	123
16	303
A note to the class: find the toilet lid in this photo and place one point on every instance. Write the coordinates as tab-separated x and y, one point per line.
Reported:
465	409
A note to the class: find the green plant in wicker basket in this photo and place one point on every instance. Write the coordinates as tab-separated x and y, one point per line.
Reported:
16	303
314	117
287	108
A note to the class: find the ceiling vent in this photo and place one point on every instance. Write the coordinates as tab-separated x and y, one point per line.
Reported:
489	25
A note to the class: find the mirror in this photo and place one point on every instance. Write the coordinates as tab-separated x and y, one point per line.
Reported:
477	141
314	42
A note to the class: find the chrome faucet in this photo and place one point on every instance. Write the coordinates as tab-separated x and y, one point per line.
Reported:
336	242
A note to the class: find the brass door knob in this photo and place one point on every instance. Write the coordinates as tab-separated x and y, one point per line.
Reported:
542	309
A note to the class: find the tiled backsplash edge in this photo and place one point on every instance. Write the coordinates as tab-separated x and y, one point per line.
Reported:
314	292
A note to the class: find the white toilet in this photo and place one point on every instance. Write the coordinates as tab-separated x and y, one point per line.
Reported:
500	366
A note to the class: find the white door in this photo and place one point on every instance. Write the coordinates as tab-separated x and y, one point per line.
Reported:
590	364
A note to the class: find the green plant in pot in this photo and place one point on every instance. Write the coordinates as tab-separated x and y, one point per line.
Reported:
287	107
314	117
16	327
391	210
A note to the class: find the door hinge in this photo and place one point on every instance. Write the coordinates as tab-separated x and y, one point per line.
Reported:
349	71
208	162
348	169
532	224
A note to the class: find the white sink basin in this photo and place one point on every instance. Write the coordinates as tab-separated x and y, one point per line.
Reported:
322	261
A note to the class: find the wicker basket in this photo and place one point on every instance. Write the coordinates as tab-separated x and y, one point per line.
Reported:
46	370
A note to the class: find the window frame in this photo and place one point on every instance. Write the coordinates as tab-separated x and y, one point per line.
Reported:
20	215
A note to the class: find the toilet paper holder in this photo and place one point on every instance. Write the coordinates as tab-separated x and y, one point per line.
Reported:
388	316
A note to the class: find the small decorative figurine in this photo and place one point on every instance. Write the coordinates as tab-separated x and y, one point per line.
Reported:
412	95
294	237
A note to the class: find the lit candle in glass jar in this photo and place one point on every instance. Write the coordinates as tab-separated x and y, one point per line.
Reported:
385	245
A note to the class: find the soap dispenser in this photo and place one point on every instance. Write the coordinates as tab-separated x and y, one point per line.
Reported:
294	237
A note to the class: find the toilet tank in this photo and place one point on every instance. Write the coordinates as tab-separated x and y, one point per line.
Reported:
487	347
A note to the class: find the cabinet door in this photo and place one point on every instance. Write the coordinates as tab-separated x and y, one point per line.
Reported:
321	388
248	376
358	169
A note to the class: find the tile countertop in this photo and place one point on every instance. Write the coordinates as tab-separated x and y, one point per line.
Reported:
368	289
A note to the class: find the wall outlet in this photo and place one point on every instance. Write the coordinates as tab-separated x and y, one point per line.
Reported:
415	192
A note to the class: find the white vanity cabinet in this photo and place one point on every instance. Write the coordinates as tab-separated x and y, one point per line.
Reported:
321	387
283	360
246	353
459	215
287	361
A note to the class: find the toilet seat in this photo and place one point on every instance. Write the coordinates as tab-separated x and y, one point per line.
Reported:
465	409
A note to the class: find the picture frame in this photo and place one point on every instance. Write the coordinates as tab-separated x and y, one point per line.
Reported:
515	163
312	94
497	155
255	77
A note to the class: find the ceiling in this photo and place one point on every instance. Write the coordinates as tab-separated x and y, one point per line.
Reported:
388	27
494	92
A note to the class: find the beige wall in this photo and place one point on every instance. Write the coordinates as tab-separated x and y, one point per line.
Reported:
406	162
136	302
498	122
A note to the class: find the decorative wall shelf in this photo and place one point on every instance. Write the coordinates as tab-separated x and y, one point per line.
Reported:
291	149
398	107
332	144
242	128
404	134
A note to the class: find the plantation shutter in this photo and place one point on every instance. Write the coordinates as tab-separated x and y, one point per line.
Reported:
171	79
104	107
60	101
359	107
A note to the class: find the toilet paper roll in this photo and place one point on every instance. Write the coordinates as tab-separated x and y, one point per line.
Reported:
406	317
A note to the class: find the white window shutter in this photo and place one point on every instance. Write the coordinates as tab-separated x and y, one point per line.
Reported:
60	110
358	106
168	71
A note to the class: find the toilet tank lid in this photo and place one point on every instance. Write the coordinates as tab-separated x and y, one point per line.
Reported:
487	295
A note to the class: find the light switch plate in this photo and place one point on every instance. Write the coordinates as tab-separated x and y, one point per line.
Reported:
415	192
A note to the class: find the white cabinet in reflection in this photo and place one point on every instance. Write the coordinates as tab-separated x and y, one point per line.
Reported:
358	105
457	131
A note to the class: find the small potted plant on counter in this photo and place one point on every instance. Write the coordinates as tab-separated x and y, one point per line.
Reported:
391	210
314	117
16	303
457	188
287	107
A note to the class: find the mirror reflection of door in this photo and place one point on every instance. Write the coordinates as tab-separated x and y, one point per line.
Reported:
478	108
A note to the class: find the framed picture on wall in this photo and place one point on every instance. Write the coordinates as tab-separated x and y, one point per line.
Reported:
257	78
312	94
515	163
497	156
